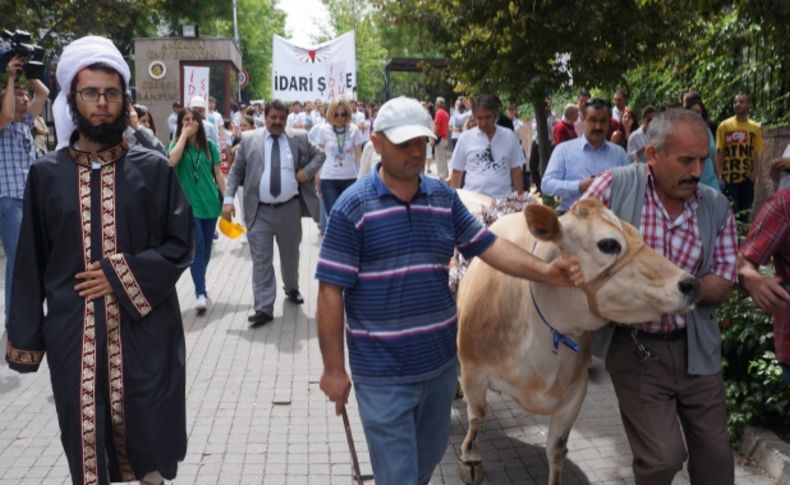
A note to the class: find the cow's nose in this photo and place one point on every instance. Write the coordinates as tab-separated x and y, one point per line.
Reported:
689	287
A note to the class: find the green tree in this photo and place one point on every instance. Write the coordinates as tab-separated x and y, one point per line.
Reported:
359	16
54	23
258	21
730	50
525	50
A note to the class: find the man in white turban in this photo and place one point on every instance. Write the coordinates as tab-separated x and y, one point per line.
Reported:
106	233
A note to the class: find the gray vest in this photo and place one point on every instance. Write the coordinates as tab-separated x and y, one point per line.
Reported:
704	339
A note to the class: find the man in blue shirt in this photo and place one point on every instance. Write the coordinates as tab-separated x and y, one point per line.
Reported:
17	152
574	164
384	265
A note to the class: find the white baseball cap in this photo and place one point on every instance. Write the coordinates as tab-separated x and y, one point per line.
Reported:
402	119
197	102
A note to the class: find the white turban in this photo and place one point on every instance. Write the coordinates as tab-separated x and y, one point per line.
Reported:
77	56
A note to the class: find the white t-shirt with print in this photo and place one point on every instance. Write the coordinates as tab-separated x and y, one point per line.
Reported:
340	164
488	163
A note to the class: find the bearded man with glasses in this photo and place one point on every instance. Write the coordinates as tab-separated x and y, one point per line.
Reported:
106	233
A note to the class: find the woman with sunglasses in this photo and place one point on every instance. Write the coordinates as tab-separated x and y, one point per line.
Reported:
342	143
196	161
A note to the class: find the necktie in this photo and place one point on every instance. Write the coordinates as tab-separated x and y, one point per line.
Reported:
274	175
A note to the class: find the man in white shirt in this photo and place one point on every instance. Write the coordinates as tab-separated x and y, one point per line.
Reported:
458	118
296	116
215	117
637	142
489	155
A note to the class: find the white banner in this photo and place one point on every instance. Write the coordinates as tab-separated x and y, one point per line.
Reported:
195	83
326	71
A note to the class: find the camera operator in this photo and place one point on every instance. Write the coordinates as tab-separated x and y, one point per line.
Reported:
17	152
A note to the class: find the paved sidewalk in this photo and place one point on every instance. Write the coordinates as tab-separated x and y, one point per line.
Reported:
256	415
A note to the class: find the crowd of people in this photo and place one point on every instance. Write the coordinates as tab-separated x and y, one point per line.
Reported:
102	228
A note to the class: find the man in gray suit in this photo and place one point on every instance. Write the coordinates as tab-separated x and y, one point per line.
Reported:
277	172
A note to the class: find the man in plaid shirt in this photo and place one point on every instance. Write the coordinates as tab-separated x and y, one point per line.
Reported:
17	152
667	373
770	236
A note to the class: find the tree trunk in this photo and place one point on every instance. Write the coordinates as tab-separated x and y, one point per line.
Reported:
541	122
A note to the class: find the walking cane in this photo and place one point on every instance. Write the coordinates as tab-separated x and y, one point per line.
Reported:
358	476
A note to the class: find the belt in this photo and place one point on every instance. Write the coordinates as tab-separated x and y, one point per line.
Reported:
277	204
668	336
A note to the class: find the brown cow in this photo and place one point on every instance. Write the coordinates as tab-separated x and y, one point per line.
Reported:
532	340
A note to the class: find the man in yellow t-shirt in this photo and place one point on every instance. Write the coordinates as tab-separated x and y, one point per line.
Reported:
739	142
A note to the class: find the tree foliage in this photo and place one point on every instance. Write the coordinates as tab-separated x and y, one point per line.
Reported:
730	50
525	50
359	16
55	23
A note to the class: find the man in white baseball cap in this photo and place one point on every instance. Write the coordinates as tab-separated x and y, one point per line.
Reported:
389	239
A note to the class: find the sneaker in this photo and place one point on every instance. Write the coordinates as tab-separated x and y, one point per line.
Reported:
201	304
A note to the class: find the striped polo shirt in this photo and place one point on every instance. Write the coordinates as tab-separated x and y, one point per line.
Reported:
391	258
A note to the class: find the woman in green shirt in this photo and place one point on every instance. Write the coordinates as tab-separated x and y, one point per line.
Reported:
196	161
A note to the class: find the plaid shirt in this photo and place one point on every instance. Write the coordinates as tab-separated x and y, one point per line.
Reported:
17	152
770	236
677	240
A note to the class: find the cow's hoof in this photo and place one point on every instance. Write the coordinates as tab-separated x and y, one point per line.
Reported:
471	471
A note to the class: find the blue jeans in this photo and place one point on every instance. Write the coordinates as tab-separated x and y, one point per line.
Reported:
331	190
407	427
10	222
204	238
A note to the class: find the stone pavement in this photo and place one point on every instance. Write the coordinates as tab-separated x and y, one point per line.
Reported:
256	415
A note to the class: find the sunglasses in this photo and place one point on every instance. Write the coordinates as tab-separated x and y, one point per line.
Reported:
340	115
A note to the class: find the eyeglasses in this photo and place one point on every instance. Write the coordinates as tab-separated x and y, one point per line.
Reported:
92	95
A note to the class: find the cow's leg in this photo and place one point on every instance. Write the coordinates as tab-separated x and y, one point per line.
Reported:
475	385
559	428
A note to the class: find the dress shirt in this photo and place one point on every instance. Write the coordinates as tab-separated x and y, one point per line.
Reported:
288	183
575	160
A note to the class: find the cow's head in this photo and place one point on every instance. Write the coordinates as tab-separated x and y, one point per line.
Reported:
626	281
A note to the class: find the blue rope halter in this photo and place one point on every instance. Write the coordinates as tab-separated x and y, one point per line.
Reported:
557	336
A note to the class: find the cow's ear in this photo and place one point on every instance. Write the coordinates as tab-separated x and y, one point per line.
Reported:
543	222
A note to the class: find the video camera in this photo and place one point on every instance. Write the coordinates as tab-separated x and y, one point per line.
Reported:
19	43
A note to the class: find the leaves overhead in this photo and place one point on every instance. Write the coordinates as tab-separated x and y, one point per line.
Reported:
525	50
54	23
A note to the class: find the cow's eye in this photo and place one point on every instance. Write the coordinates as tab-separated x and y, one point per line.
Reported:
609	246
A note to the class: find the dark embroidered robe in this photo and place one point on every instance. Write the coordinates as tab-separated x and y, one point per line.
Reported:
117	363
